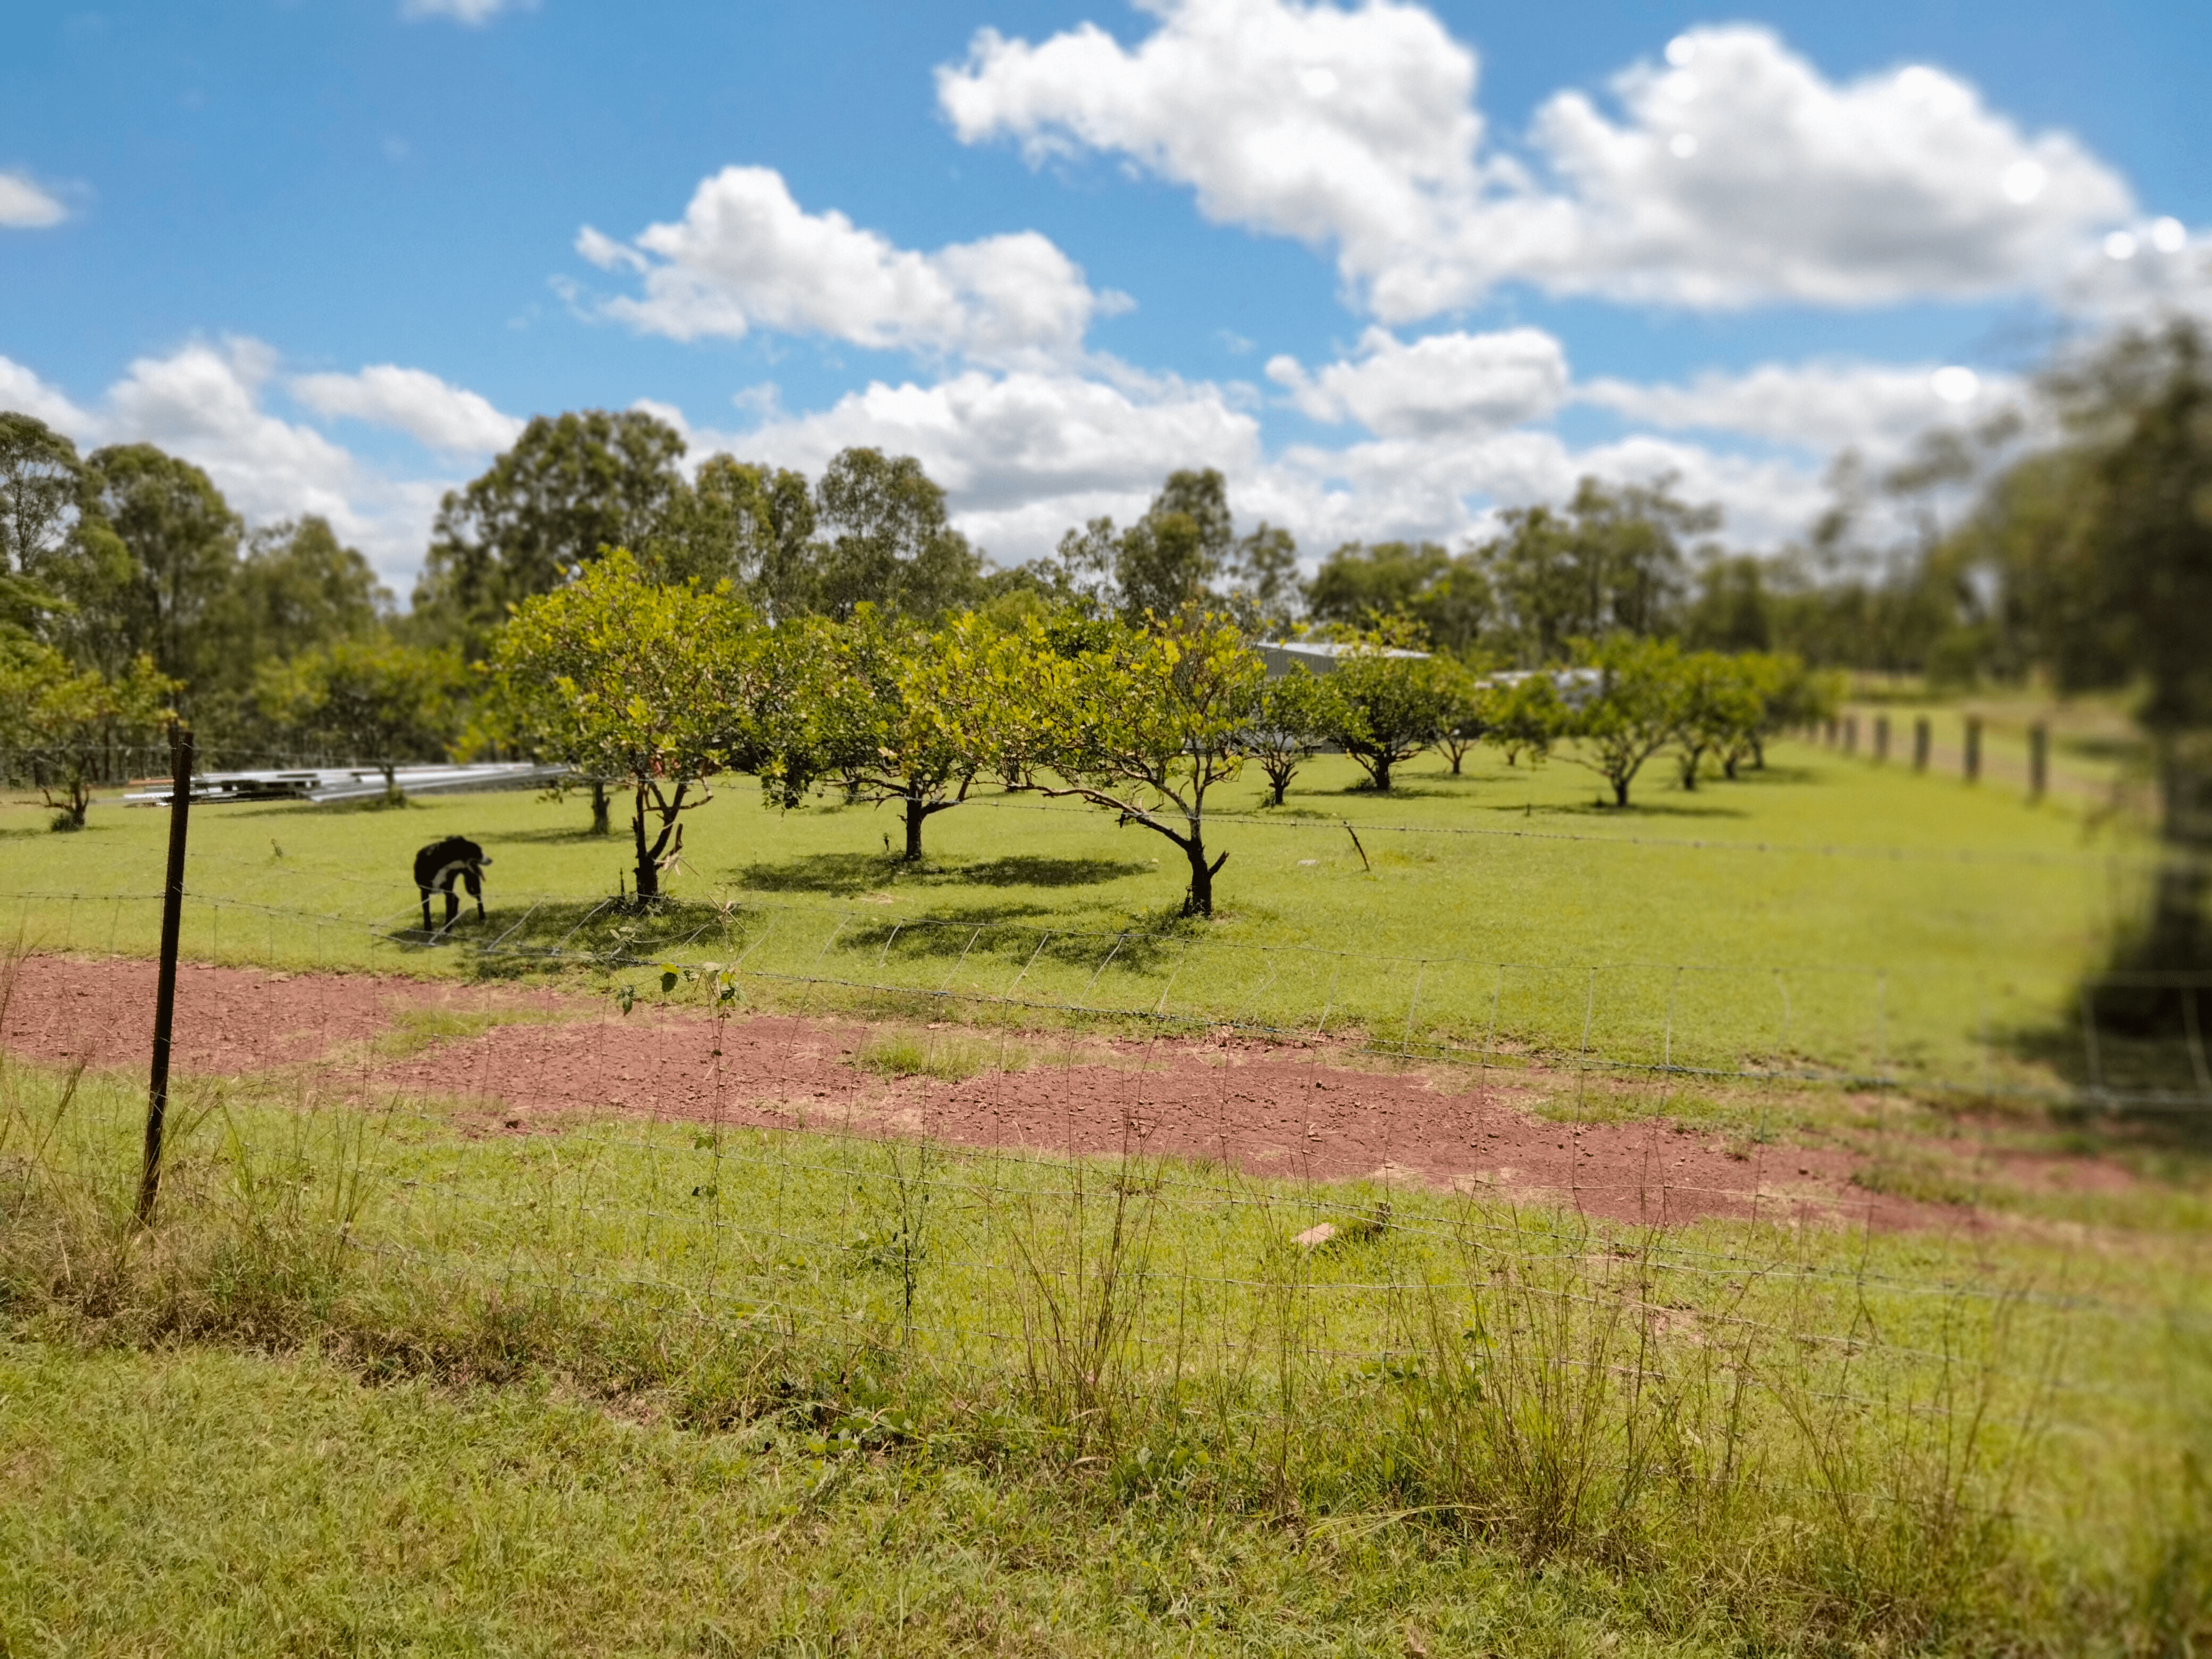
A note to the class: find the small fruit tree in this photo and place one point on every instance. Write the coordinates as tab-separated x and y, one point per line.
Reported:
1635	712
1394	703
68	728
618	677
1142	722
1293	715
881	722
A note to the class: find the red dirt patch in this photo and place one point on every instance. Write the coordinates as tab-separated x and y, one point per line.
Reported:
1270	1109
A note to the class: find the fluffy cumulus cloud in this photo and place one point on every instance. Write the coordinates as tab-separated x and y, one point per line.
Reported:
1819	408
1023	454
1731	174
1455	382
24	205
745	255
209	405
440	416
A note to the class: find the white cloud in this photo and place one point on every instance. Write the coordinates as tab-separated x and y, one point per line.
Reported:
415	401
25	206
25	393
1022	455
746	256
1819	407
473	12
1456	382
207	404
1738	175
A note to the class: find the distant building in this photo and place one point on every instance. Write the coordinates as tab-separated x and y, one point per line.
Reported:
1575	686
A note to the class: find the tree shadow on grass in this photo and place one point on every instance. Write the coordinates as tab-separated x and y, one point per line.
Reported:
1645	809
1013	943
566	837
510	943
851	874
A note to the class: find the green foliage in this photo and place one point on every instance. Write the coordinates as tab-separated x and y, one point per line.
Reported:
1635	712
1141	722
1295	714
570	487
156	550
888	543
373	700
40	483
1526	716
1450	598
884	726
751	527
619	676
65	724
1719	710
1393	706
1612	560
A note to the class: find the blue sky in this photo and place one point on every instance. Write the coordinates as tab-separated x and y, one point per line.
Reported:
1390	266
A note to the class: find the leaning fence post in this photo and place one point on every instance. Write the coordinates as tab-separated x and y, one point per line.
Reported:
165	994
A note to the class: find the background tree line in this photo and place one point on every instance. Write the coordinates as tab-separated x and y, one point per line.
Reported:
2076	551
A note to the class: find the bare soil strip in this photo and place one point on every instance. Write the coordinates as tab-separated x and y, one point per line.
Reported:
1269	1110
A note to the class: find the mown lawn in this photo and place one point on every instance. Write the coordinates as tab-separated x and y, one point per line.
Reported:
1824	913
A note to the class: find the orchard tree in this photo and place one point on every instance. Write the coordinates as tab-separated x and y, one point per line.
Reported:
375	699
1470	705
1143	722
882	732
73	728
1527	717
1394	702
1294	714
618	677
1718	711
1635	712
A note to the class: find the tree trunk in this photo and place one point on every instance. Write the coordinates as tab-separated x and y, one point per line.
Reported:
599	806
1759	753
1382	774
1728	767
1199	901
391	795
916	811
648	872
1620	791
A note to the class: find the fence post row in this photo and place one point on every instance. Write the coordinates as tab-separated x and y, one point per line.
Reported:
164	995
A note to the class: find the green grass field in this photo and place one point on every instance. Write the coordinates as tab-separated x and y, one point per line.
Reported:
1824	914
379	1380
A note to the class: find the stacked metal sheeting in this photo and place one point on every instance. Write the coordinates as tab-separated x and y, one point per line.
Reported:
329	783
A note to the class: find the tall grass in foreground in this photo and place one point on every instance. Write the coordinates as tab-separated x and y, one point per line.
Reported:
1814	1440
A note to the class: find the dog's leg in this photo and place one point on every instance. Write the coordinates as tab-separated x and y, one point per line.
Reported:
475	891
426	905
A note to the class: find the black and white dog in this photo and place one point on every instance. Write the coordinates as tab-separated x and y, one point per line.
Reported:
441	864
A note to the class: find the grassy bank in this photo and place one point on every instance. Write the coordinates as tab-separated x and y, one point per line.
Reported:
392	1377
